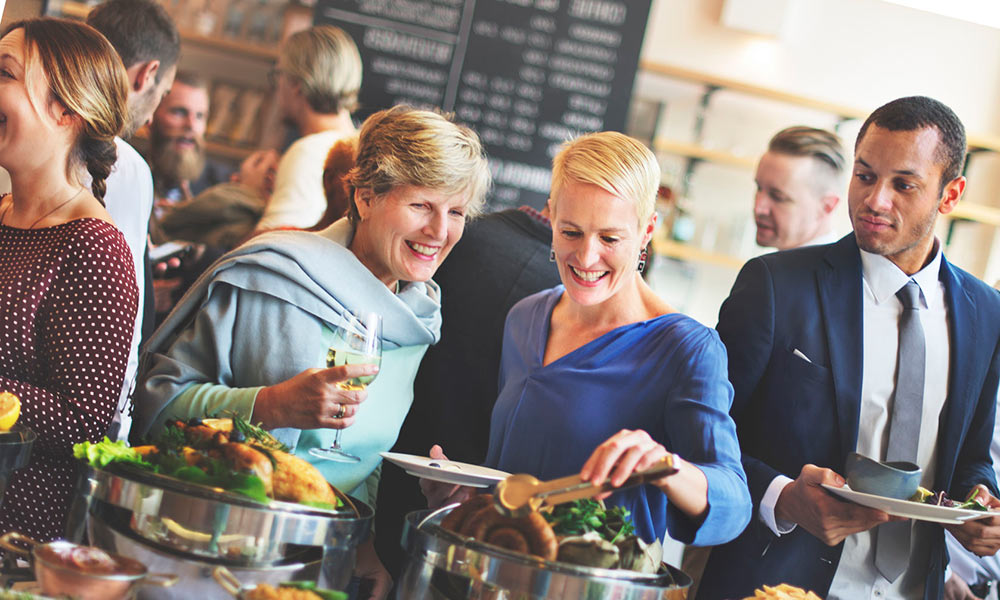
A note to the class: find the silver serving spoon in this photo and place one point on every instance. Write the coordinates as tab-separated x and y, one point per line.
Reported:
520	494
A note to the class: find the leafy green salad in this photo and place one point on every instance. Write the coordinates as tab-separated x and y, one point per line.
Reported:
211	472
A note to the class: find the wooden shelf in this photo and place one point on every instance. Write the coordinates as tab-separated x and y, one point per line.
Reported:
268	53
982	142
704	78
976	212
687	252
976	142
80	10
695	151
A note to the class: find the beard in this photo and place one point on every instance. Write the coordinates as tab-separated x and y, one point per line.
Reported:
171	166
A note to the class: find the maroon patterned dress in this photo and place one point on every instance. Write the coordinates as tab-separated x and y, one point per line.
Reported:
68	300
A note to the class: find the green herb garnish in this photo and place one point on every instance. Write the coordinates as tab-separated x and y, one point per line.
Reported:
256	433
972	505
583	516
311	586
172	438
214	472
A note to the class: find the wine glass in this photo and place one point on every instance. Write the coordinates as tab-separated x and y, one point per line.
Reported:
358	341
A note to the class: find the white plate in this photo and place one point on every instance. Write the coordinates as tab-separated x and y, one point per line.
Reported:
447	471
909	509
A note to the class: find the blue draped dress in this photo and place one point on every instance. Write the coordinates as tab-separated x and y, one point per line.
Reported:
666	375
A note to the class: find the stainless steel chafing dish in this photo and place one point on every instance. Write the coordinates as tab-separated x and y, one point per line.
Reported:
441	565
198	527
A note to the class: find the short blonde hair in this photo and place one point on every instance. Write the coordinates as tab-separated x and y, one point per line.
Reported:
86	76
326	62
406	146
614	162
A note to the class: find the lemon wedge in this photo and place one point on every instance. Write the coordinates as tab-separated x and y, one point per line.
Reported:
224	425
10	410
921	495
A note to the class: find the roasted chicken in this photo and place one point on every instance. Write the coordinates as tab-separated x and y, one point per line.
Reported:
285	476
295	480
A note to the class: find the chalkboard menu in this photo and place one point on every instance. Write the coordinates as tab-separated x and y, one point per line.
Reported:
525	74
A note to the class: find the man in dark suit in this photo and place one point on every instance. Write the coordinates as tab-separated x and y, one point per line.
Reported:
874	344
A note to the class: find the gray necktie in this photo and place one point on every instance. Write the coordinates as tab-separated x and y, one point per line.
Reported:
892	540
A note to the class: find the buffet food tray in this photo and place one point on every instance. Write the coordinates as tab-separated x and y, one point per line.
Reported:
444	565
214	523
108	528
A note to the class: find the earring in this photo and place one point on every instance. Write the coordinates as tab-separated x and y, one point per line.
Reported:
552	256
642	260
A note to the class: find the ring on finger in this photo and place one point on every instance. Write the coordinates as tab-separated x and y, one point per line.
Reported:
341	413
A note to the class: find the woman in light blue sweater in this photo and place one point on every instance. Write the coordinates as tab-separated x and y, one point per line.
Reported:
251	335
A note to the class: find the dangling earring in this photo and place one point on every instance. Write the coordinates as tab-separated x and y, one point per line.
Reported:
642	260
552	255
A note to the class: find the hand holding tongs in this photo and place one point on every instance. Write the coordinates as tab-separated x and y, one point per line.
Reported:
518	495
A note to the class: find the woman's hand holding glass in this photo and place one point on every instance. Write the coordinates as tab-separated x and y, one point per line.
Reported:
629	451
313	399
357	341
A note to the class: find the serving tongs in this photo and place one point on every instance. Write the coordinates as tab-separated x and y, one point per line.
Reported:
520	494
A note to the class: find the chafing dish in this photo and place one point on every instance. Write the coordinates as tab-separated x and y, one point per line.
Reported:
441	565
202	525
108	528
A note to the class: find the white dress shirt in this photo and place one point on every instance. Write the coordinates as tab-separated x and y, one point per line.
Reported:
856	577
129	201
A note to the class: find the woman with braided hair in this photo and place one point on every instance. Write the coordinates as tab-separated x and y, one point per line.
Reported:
69	294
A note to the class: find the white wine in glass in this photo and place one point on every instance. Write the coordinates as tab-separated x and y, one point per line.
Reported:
358	341
339	358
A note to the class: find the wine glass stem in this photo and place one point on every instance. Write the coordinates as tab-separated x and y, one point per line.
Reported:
336	440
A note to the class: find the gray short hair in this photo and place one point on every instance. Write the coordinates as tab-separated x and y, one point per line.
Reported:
406	146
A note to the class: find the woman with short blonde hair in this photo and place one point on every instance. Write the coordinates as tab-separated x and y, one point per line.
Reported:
601	377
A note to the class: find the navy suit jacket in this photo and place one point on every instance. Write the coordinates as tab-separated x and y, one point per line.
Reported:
790	412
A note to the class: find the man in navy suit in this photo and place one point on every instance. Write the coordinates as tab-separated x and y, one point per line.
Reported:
813	337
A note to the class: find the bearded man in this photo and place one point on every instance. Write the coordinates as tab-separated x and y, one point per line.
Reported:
177	157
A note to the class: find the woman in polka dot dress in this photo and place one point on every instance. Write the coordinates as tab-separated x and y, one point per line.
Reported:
67	287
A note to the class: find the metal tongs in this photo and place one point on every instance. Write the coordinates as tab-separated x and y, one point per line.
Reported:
520	494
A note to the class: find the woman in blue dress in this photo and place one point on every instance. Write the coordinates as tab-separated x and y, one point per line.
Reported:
601	377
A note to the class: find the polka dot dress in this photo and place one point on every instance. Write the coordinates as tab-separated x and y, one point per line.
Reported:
67	306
